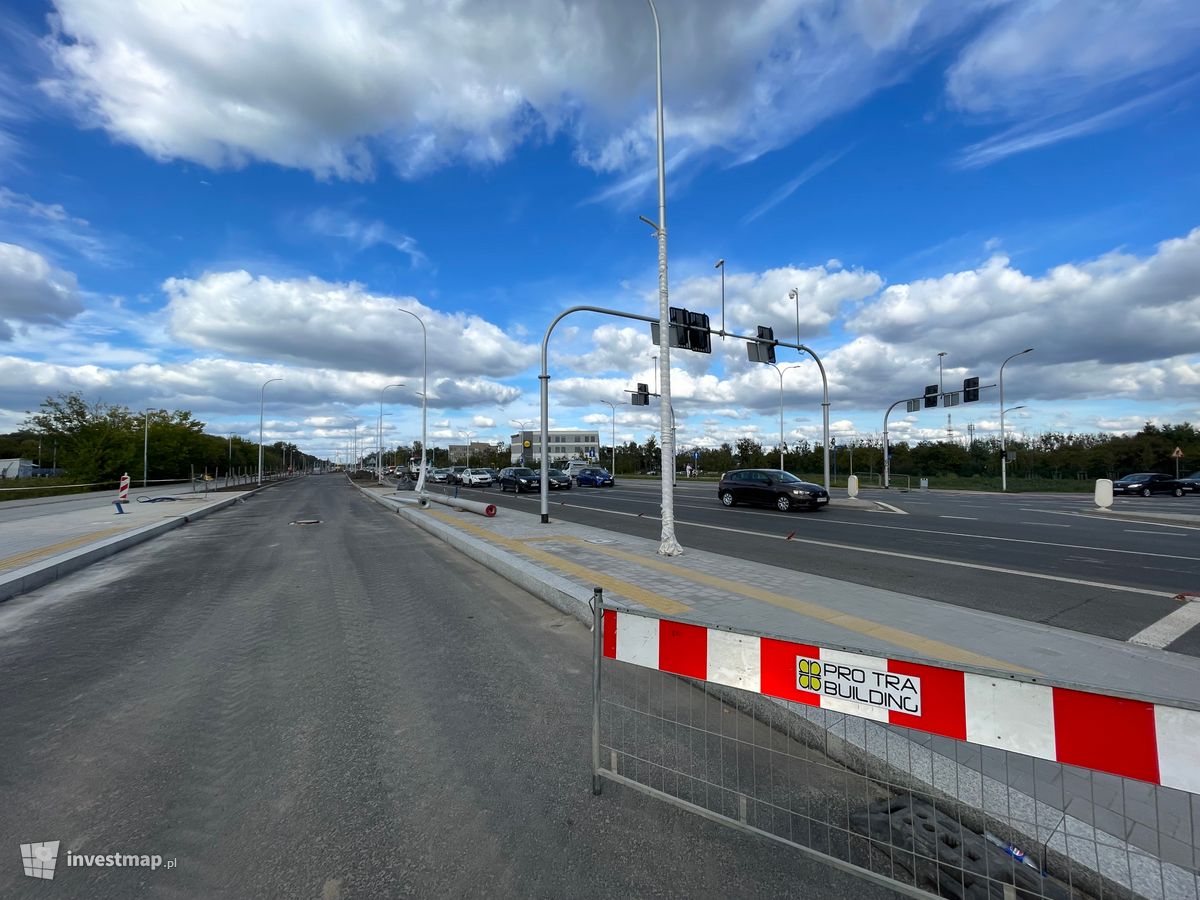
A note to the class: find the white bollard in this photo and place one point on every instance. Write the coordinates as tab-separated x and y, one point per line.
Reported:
1104	493
852	486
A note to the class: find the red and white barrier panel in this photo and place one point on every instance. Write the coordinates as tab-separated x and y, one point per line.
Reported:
1132	738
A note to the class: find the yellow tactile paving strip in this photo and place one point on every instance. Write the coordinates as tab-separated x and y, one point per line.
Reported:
918	645
30	556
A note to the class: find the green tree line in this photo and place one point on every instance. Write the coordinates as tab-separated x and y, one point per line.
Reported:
98	442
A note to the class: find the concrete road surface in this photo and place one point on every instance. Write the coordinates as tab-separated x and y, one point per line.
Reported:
342	709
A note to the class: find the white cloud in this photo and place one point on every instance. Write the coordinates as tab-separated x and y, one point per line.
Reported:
333	88
33	291
50	225
1115	309
363	235
320	323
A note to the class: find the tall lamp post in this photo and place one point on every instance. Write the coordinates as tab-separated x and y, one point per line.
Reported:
262	394
780	372
614	434
145	446
794	294
668	545
468	435
1003	446
379	452
424	395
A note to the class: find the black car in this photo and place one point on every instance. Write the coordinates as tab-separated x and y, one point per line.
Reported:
559	480
770	487
1191	482
519	478
1147	483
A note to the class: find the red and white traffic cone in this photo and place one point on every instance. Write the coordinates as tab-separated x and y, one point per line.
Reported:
122	494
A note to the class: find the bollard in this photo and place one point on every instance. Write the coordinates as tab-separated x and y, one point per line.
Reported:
122	495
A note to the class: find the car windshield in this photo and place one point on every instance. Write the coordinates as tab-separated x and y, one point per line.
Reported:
555	472
1140	477
522	471
786	477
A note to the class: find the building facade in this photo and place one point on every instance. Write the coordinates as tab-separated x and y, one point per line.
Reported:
564	445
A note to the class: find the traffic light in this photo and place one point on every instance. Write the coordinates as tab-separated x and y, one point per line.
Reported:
641	397
970	390
931	396
698	337
762	350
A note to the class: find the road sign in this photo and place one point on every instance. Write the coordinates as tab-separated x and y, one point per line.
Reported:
1178	454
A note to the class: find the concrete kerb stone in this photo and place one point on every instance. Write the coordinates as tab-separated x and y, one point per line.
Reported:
35	575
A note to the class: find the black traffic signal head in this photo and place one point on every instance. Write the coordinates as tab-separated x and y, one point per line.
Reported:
970	390
931	395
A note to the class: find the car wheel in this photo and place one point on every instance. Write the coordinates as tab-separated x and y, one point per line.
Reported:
783	502
1178	492
727	498
1145	492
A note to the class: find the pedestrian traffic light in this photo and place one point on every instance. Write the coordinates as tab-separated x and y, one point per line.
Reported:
689	330
970	390
762	350
641	397
931	396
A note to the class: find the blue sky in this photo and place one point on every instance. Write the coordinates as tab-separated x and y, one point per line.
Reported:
196	198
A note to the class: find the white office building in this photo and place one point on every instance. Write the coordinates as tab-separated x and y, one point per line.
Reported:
564	445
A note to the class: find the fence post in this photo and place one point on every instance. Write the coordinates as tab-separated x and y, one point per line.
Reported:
597	655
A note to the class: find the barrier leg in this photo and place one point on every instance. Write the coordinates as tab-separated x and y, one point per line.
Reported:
597	655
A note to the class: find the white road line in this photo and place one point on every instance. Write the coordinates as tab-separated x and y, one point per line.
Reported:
1047	524
889	507
1156	533
909	556
964	518
1169	628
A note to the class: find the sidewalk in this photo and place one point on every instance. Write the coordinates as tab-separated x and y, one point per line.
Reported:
43	548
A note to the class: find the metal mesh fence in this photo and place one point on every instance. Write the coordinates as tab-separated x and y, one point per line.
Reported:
927	814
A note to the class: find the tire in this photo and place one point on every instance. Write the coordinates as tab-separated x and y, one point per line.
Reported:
727	498
783	503
1178	492
1145	492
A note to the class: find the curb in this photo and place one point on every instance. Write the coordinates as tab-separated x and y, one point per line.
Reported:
36	575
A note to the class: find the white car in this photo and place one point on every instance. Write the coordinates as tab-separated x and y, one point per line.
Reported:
480	477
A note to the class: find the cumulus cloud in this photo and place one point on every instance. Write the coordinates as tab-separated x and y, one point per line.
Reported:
1116	309
32	291
314	322
333	89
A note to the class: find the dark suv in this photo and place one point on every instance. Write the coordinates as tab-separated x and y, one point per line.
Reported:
519	479
770	487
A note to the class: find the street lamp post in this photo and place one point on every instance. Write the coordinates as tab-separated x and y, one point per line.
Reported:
145	447
779	372
262	394
379	454
614	434
468	435
424	396
720	264
1003	446
668	545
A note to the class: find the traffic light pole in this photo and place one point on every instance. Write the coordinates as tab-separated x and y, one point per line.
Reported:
544	380
887	460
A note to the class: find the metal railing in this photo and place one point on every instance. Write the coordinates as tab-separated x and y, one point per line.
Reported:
694	716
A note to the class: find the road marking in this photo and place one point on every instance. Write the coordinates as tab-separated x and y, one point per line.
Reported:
889	507
1047	524
964	518
1169	628
1156	533
1061	579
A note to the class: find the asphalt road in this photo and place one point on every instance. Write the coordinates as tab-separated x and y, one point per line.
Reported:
343	709
1035	557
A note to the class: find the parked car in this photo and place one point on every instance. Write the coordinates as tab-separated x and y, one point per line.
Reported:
519	478
1147	483
1191	482
558	480
770	487
476	478
594	477
441	476
455	474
